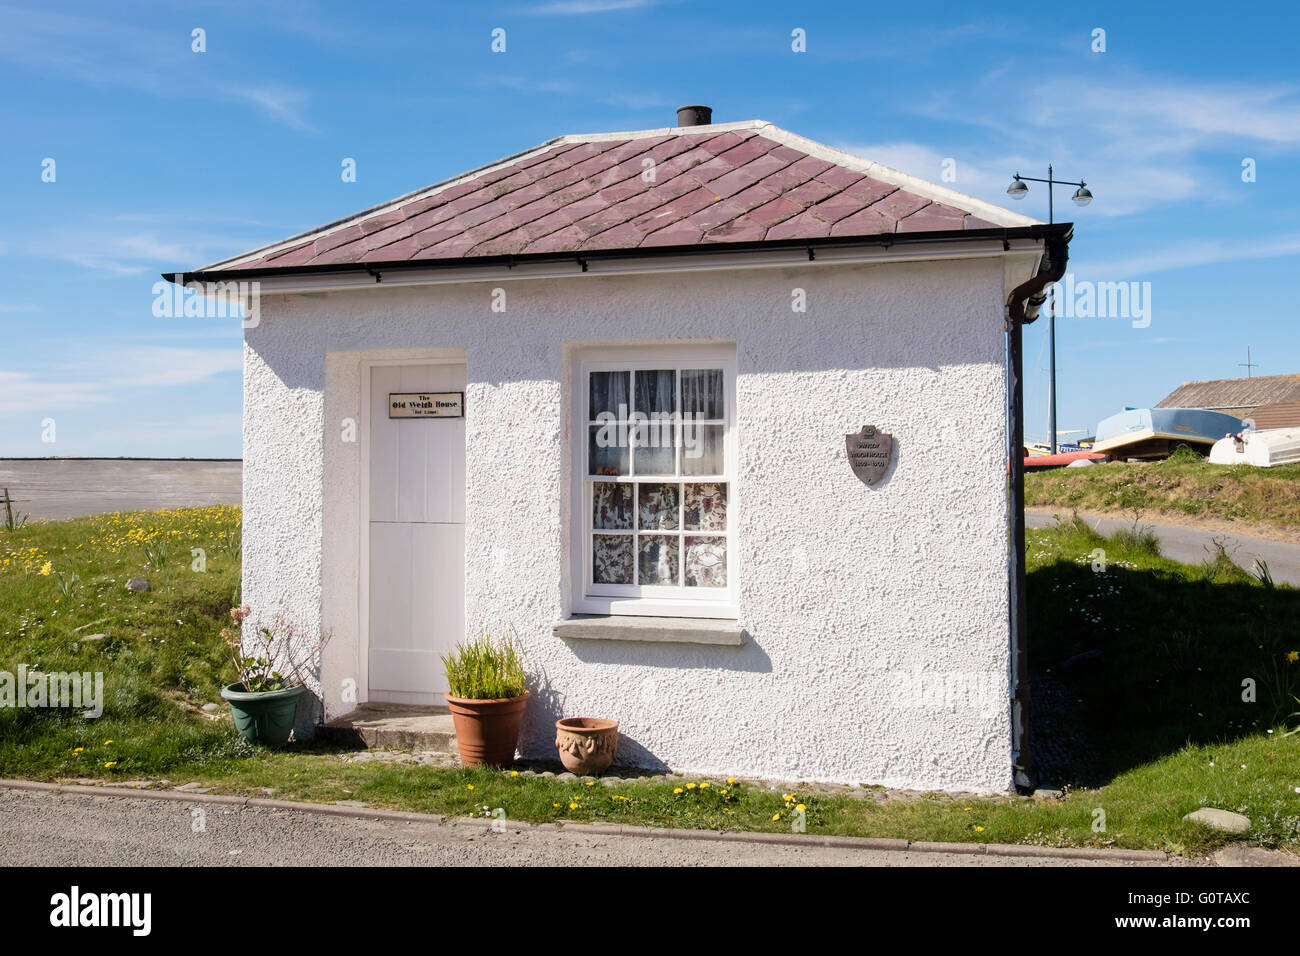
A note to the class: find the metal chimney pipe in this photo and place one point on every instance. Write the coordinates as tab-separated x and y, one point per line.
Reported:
694	115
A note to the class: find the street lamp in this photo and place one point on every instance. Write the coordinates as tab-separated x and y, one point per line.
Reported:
1082	195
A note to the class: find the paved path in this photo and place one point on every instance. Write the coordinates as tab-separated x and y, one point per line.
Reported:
68	487
1193	545
44	828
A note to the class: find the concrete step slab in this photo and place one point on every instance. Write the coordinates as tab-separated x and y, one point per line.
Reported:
393	727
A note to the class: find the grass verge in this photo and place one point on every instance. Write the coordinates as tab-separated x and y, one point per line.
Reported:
1182	485
1153	655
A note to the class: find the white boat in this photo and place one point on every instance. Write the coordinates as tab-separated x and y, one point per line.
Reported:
1273	446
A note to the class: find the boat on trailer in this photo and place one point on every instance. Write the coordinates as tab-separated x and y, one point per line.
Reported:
1155	432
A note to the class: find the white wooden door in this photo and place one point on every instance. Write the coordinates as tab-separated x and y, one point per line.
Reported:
417	537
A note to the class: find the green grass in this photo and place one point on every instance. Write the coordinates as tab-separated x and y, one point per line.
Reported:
1180	485
1161	702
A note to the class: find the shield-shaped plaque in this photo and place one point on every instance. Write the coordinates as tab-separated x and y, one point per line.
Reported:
869	453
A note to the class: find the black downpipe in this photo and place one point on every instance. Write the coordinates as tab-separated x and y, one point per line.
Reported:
1022	308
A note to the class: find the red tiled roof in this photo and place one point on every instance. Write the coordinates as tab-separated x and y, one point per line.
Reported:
680	186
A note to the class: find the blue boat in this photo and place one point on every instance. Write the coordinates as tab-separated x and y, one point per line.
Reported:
1155	432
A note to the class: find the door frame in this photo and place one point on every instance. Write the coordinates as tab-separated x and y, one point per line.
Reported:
363	527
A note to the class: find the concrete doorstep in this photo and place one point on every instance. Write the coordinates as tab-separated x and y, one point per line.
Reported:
613	829
393	727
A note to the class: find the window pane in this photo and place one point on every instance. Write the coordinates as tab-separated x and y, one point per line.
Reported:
608	394
656	391
655	454
706	507
611	506
611	558
702	393
657	555
658	506
706	562
605	454
702	449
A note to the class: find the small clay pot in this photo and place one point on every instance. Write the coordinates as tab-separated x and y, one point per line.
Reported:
587	745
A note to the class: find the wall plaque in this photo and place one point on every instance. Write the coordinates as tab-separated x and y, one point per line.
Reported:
869	453
426	404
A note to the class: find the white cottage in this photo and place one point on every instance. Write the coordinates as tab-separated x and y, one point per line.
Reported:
713	418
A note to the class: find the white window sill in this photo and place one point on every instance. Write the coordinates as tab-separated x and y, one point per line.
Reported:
654	630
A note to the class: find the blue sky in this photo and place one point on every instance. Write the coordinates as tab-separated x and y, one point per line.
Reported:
168	159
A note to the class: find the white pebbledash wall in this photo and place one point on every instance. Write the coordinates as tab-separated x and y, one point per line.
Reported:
877	638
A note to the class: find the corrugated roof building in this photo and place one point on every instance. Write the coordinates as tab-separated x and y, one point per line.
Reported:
1236	396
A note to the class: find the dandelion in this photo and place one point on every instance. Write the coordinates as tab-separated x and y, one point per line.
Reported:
776	816
573	806
514	773
677	790
46	568
591	783
77	750
107	742
731	780
469	786
555	804
704	786
110	765
979	829
1293	656
690	786
801	808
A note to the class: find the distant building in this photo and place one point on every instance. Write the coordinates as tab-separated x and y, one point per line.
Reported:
1240	396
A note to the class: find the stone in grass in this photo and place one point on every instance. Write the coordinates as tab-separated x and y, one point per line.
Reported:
566	776
210	708
92	637
1224	820
137	585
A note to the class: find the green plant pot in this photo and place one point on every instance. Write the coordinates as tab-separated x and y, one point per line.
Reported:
263	718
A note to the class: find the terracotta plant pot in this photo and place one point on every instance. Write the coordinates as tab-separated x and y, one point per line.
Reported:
587	745
487	730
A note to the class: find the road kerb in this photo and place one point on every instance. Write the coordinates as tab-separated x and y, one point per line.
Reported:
607	829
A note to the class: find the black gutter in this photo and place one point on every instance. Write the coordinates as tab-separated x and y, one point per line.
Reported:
1022	308
1040	231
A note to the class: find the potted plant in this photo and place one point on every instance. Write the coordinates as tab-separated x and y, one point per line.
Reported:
487	697
264	701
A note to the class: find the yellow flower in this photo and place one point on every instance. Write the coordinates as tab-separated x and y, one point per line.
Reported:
677	789
785	796
555	804
46	568
731	780
111	763
704	786
690	786
514	773
469	786
591	783
776	816
801	808
107	742
979	829
967	809
573	806
77	750
1293	656
723	791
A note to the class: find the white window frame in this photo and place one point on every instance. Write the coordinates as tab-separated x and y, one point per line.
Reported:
683	601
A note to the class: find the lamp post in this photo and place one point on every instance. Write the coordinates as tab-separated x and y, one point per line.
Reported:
1082	196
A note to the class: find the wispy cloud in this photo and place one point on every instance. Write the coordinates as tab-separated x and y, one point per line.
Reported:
1192	253
108	52
162	244
111	375
569	8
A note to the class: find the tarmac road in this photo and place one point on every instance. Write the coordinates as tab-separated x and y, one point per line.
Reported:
42	828
69	487
1193	545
